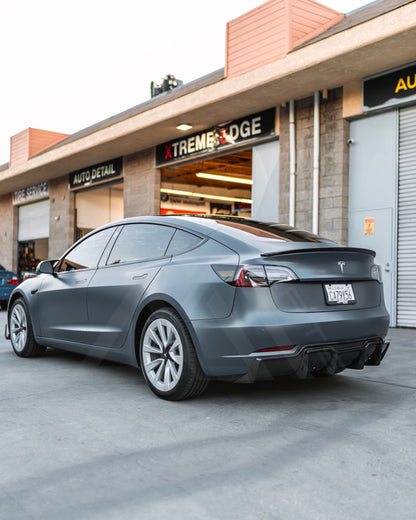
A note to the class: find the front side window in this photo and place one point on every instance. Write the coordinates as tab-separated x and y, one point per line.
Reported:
139	242
87	253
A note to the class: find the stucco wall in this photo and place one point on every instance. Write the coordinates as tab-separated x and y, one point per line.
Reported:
61	217
8	233
333	187
141	184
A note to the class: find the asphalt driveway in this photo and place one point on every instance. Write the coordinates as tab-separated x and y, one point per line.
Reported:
83	439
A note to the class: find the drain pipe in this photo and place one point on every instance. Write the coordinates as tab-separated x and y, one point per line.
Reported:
315	190
292	160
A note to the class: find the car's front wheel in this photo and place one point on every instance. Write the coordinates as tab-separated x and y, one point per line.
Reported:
21	332
168	359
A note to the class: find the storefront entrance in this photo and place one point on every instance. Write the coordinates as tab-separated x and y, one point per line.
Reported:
221	185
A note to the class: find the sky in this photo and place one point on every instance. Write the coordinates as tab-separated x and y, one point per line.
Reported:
66	65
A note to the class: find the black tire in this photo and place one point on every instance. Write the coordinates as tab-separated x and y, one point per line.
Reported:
21	331
168	359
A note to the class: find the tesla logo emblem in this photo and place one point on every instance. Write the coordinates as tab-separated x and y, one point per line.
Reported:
341	265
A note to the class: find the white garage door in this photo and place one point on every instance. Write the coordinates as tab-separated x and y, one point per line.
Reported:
406	272
34	221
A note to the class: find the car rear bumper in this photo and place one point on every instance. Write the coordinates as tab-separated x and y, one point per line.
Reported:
228	347
325	359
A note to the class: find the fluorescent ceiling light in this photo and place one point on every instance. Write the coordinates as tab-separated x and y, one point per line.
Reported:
223	178
184	126
205	196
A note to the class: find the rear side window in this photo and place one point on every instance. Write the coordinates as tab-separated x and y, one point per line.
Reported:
181	242
139	242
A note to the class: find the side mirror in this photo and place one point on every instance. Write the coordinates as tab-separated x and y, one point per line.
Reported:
46	267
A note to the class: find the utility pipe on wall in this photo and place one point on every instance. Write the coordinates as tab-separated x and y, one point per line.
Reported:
315	190
292	161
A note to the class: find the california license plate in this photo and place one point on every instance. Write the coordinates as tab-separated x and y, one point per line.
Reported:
339	293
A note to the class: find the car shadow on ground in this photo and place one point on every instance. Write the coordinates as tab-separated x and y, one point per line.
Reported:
341	387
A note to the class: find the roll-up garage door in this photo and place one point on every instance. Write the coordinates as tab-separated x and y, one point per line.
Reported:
406	265
34	221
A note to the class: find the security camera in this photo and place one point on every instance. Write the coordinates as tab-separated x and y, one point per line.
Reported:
350	141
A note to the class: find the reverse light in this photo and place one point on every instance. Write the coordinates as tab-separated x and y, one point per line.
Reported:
376	273
254	275
12	281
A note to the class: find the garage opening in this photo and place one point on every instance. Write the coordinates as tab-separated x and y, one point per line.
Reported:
219	185
33	237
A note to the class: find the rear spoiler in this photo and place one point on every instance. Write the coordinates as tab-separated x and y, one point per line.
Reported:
322	249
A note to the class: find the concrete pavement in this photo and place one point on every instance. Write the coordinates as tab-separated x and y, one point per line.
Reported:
83	439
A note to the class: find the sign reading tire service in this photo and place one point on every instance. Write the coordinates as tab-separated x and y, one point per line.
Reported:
242	130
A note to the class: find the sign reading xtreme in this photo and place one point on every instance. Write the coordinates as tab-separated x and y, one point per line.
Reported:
97	173
392	88
241	130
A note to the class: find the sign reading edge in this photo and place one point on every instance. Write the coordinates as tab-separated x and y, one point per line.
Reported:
242	130
97	173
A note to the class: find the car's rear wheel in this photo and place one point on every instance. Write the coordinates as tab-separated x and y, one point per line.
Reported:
168	359
21	332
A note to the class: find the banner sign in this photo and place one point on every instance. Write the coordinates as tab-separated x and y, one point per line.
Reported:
393	88
97	173
220	137
36	192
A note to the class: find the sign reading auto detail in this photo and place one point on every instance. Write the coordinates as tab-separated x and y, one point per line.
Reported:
393	88
35	192
220	137
97	173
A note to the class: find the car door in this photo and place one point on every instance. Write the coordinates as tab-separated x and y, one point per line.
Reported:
62	297
118	285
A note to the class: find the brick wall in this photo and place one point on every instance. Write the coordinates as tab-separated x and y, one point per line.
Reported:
61	217
333	189
8	233
141	184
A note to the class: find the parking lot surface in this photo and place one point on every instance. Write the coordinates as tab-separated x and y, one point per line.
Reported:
85	439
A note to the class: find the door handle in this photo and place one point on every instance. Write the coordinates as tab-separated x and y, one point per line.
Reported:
80	281
139	276
387	267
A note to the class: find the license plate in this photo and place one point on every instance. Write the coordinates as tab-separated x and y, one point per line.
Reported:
339	293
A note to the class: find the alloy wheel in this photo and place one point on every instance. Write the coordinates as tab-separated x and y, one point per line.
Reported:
18	327
162	354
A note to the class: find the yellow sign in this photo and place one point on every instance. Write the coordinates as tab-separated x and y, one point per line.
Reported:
369	226
405	84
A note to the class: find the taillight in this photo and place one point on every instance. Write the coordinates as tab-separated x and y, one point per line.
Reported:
12	281
276	349
254	275
251	276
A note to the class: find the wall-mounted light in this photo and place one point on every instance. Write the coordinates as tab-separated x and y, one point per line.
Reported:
184	127
224	178
205	196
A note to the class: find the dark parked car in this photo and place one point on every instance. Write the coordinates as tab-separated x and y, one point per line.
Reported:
191	298
8	282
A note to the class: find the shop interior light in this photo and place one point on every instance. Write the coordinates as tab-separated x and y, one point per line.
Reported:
225	178
205	196
184	126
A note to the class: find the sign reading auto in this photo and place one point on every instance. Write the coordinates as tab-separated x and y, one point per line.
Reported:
392	88
239	131
97	173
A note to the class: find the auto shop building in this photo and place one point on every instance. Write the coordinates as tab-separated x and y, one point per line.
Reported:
312	122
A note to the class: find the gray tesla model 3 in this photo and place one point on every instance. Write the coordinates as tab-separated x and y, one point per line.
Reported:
190	298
